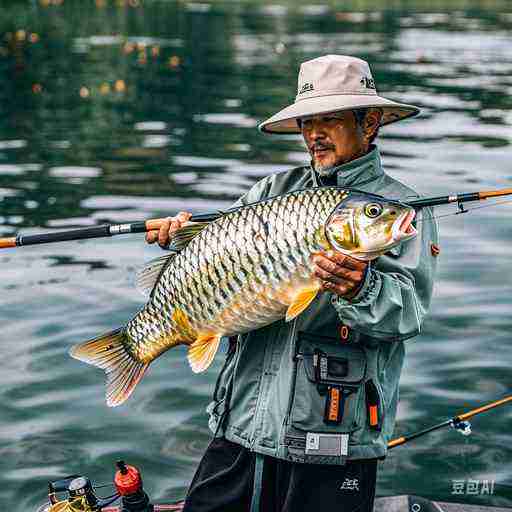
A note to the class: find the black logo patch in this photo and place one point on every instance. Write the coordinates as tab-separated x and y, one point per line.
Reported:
306	88
367	82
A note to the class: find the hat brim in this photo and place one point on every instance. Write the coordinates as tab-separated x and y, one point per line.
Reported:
285	121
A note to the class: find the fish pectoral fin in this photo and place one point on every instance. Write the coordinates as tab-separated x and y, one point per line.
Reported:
301	301
181	238
148	276
202	352
109	353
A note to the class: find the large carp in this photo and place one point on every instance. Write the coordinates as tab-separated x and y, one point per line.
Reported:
246	269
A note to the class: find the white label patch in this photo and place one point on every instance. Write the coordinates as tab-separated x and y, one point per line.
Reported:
312	441
333	445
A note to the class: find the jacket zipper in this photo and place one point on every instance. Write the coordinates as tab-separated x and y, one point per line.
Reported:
258	402
294	373
383	407
229	357
229	389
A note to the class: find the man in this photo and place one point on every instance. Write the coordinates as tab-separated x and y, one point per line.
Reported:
303	410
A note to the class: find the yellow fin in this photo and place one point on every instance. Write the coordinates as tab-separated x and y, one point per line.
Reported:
109	353
202	352
301	301
185	331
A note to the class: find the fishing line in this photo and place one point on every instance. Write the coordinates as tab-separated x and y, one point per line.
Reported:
465	210
100	486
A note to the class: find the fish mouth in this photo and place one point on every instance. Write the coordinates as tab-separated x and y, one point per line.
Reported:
403	228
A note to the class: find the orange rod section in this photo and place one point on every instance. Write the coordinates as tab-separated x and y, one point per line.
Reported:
396	442
495	193
7	242
484	408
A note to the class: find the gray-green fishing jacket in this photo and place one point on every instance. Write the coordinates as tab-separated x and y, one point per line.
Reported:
323	388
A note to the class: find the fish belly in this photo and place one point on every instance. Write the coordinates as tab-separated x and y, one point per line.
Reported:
250	311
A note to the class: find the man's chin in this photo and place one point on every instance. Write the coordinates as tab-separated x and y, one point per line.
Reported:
323	169
324	166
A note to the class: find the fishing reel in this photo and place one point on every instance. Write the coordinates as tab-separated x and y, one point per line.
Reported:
80	496
75	493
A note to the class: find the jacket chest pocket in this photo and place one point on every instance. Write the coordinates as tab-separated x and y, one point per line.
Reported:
328	395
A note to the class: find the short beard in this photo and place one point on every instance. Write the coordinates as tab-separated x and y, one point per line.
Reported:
324	170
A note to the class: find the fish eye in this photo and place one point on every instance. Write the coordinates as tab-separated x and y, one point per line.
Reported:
373	210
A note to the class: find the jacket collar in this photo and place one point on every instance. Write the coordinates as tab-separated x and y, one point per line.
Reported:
354	173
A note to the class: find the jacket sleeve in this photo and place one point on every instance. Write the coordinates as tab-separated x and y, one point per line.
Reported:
396	293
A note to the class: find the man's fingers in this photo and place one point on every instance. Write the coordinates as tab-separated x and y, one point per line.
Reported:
167	228
334	284
152	236
327	276
183	216
163	232
333	268
178	221
338	289
346	261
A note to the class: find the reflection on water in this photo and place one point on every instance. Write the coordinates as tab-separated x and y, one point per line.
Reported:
114	111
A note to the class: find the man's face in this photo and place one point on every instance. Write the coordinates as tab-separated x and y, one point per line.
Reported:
333	139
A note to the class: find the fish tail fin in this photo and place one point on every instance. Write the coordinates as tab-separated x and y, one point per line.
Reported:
202	351
109	353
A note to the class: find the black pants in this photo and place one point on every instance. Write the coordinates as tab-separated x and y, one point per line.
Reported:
224	483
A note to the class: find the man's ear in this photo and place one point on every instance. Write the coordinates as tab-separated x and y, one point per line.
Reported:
372	122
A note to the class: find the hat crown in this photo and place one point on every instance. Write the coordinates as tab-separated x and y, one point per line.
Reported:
334	74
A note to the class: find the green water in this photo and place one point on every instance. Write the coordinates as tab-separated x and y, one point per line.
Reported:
121	111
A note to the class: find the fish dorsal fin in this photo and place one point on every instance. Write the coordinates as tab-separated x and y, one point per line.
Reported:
202	352
148	275
181	238
151	271
302	299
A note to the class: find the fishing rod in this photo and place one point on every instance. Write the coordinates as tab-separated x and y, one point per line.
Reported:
102	231
107	230
459	422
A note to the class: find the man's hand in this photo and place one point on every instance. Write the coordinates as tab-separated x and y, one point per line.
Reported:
339	273
168	227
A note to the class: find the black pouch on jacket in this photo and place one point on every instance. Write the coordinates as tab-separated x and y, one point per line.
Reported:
329	384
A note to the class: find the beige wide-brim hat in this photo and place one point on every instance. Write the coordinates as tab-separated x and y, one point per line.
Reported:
334	83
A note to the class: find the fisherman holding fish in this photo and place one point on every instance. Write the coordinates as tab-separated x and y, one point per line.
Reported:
303	412
320	285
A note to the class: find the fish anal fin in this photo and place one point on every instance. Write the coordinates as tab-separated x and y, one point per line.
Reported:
182	237
202	352
301	300
109	353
